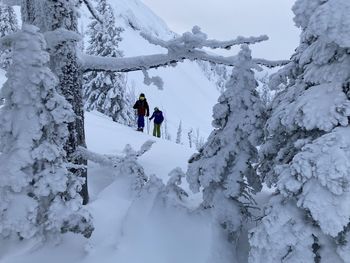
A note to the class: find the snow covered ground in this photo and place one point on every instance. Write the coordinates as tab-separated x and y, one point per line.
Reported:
130	228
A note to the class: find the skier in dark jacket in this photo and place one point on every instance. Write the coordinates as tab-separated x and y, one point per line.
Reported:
142	110
158	119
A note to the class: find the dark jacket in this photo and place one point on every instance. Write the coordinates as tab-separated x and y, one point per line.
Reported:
158	117
142	107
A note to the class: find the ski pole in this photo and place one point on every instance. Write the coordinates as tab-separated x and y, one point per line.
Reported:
147	125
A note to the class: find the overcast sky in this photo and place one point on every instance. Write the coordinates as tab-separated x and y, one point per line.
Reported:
226	19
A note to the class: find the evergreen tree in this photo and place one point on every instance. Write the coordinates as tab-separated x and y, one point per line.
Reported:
106	91
39	195
179	133
8	25
307	152
59	20
224	165
190	137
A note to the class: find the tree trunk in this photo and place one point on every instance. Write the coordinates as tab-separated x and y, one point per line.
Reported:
48	16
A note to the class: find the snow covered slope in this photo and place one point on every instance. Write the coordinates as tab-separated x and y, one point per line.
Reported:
130	228
188	95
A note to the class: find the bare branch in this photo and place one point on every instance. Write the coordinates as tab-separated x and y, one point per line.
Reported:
93	11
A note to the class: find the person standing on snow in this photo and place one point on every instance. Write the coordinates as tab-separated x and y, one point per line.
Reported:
142	110
158	119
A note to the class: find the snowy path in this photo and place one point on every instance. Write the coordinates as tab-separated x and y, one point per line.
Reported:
130	229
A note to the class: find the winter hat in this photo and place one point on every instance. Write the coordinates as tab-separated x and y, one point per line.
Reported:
156	109
142	95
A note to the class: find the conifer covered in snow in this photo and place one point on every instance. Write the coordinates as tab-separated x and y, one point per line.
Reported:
39	195
224	165
8	25
307	154
179	134
106	91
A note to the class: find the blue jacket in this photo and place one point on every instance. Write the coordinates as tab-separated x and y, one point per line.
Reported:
158	117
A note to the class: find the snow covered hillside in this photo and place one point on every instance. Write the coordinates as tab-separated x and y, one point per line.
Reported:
188	95
129	227
184	85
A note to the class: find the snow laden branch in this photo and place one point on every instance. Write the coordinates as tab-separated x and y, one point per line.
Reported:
113	160
188	46
198	39
93	11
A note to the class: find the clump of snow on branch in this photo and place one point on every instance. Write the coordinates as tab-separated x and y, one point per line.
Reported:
156	80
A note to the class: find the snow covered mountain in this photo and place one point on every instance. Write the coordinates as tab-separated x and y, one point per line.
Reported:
188	95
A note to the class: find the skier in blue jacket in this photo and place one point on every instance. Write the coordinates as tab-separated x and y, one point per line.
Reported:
158	119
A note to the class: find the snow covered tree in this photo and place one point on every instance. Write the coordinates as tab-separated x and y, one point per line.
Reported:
307	152
179	133
190	137
39	195
105	91
8	25
224	166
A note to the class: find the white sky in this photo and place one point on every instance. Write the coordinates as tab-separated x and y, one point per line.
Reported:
226	19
